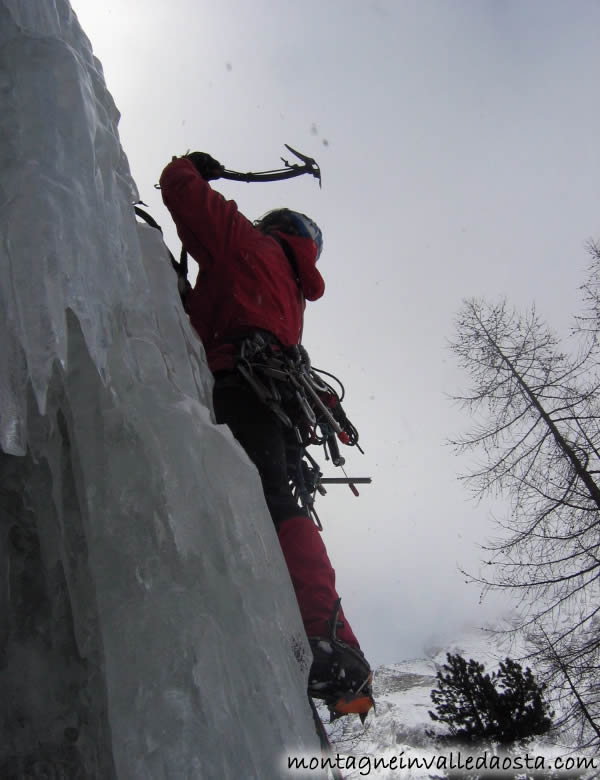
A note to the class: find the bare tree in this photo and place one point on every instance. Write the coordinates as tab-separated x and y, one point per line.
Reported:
536	430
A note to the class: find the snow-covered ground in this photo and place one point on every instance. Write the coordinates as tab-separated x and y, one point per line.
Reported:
397	732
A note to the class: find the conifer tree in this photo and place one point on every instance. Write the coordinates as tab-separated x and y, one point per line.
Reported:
506	708
534	407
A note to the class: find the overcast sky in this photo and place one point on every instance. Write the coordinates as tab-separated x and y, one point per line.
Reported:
458	143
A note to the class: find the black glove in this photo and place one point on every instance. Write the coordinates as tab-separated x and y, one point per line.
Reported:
206	165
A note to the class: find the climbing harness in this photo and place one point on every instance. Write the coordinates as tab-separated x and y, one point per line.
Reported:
284	379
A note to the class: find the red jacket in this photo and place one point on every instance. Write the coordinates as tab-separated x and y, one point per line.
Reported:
245	280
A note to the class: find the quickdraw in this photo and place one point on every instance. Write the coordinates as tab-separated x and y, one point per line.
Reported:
285	380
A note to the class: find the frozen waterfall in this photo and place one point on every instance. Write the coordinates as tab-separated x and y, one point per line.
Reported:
148	627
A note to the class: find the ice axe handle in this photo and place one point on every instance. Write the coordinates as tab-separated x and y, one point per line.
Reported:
289	172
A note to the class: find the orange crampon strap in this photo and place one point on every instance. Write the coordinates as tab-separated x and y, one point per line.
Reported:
359	704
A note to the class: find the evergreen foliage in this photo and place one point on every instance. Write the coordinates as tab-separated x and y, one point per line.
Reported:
506	707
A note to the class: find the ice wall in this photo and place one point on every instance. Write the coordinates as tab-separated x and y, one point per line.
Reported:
148	628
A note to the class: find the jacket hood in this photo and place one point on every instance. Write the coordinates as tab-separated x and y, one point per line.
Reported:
304	249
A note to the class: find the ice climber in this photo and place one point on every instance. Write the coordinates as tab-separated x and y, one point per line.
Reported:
256	278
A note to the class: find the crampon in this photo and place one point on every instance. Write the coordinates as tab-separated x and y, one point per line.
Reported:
340	677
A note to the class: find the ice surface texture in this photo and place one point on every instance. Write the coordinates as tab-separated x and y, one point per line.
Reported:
148	628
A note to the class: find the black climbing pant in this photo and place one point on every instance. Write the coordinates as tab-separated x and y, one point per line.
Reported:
269	443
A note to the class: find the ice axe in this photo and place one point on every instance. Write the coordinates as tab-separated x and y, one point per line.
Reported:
289	172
